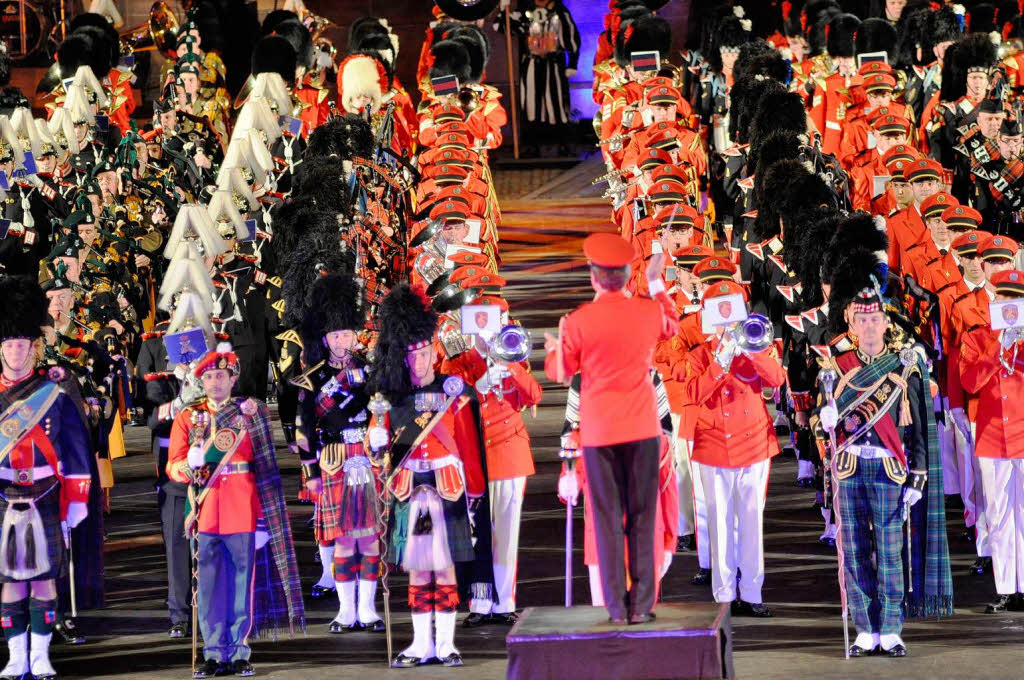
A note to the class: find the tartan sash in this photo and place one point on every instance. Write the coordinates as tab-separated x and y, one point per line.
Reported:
868	397
219	449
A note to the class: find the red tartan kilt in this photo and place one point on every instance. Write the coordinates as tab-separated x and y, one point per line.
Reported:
345	511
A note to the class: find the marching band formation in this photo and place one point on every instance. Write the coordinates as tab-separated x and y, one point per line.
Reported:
818	206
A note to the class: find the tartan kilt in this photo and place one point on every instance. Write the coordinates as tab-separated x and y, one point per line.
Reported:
48	506
345	510
456	520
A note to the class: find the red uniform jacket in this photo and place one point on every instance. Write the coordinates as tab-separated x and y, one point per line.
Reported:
1000	395
506	440
862	175
611	342
905	228
967	313
232	504
733	427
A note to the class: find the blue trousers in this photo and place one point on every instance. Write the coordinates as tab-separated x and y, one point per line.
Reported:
869	507
225	594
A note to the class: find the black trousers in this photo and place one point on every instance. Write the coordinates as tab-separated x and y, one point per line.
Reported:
623	481
176	550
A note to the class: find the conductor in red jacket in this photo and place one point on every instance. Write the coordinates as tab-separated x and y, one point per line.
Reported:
610	342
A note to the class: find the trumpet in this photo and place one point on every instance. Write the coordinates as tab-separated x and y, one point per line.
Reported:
1010	335
753	334
511	345
469	100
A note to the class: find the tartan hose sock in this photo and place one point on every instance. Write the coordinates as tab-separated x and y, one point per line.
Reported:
421	599
14	617
369	568
446	597
346	568
43	614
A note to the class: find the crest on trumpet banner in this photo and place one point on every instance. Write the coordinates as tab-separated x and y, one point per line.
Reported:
194	225
232	179
224	212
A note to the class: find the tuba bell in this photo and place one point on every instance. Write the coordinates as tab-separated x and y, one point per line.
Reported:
159	33
753	334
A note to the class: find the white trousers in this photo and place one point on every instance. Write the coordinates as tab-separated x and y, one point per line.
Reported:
1003	480
973	493
684	479
951	473
700	514
735	501
506	496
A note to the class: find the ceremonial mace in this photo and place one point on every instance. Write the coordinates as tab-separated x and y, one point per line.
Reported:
827	379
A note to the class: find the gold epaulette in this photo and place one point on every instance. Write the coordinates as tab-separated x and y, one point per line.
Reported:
304	381
290	335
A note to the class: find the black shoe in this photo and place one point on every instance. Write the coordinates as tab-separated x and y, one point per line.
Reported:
969	534
981	565
506	619
320	591
453	659
178	630
856	650
242	668
637	619
999	605
68	632
687	543
702	577
337	628
475	620
374	626
897	651
208	669
1016	603
405	661
742	608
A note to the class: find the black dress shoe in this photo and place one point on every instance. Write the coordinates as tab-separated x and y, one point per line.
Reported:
1016	603
897	651
857	650
981	565
318	592
687	543
178	630
208	669
337	628
452	660
637	619
506	619
406	661
242	668
758	610
702	577
374	626
475	620
68	632
999	605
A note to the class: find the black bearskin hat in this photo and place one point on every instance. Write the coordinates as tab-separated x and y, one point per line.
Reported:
342	137
773	192
81	49
98	21
945	26
648	33
876	35
298	217
274	54
316	254
362	28
842	31
275	18
478	46
627	18
767	150
301	41
970	52
744	105
982	18
23	308
335	304
778	111
911	40
816	34
805	248
405	319
380	47
855	270
450	58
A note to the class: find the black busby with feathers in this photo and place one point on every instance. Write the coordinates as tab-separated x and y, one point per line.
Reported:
274	54
23	308
334	304
405	318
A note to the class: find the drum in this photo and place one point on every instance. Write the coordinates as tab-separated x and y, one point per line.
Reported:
23	27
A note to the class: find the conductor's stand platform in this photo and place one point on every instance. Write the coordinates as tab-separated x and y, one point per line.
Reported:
686	641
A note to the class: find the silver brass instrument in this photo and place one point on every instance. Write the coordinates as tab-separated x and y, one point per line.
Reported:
753	334
610	175
1016	334
511	345
616	138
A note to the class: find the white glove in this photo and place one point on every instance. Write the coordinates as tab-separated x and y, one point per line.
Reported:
911	496
829	416
262	535
568	488
77	511
726	352
665	564
196	457
483	383
378	438
570	72
962	422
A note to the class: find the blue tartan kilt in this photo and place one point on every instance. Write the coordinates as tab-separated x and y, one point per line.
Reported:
47	493
456	519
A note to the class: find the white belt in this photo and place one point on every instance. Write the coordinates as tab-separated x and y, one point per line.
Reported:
430	464
868	452
26	476
832	125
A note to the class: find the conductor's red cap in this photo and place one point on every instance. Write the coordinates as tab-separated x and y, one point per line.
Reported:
608	250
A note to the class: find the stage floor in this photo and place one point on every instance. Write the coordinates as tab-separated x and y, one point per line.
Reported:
541	252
